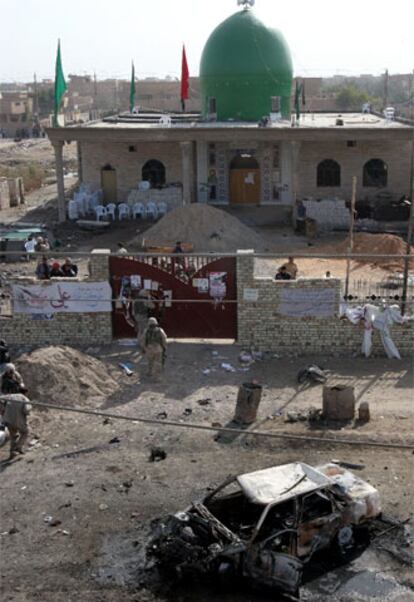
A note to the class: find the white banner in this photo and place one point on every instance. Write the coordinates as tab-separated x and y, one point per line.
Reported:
308	302
62	297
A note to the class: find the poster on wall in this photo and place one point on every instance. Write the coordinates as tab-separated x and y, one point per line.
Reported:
62	297
136	281
308	302
218	287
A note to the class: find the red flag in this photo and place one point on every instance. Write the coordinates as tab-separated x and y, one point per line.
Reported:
185	76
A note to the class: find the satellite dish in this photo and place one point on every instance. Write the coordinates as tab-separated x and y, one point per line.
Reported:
246	4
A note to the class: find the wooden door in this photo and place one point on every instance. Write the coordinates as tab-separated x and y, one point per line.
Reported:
245	186
109	185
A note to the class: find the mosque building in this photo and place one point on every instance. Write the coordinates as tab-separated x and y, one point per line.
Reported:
248	146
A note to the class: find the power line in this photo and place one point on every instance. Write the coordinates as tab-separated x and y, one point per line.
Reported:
223	430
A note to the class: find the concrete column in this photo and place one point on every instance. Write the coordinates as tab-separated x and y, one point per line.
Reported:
295	150
202	172
188	171
80	170
58	146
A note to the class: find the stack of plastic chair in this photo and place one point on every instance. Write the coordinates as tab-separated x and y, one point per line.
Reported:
73	213
144	185
152	211
138	210
162	208
123	211
100	211
110	210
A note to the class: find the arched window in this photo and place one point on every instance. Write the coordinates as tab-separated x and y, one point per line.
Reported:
375	174
154	172
329	173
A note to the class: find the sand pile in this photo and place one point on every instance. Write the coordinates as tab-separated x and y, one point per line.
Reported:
65	376
377	244
207	228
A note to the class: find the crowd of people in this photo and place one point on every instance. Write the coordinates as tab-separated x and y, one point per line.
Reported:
50	268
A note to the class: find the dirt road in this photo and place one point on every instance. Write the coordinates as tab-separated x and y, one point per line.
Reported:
106	498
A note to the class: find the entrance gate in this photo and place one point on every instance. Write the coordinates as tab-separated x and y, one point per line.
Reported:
188	295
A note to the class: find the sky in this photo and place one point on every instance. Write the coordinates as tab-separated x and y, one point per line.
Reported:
103	36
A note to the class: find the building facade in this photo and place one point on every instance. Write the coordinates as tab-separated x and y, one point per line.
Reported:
245	148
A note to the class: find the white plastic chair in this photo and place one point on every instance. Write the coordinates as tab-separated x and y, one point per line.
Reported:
100	211
139	210
162	208
152	210
73	213
123	211
110	210
144	185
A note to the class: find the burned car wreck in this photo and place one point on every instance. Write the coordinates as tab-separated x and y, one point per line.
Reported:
266	525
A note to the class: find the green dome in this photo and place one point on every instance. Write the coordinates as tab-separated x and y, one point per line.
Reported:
244	64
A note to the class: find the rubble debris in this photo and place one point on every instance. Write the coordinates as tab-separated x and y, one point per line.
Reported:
245	358
52	522
187	412
265	526
349	465
363	412
204	402
162	416
338	403
228	367
309	415
312	374
126	368
157	454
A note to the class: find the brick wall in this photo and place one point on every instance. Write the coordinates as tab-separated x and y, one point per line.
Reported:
352	160
64	328
260	326
128	164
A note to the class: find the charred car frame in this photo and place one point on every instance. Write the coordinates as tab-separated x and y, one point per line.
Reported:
266	525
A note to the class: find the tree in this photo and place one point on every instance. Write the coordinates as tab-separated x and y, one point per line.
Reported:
351	99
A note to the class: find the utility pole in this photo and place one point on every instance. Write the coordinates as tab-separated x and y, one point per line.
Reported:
412	98
36	98
386	88
409	234
351	236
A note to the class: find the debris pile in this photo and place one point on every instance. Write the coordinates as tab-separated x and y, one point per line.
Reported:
206	228
377	244
65	376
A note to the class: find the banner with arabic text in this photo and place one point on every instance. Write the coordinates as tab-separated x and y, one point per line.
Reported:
62	297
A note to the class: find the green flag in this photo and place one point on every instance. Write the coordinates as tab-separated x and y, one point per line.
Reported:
60	85
132	91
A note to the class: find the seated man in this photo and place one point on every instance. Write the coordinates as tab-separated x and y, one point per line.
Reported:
69	269
283	274
291	268
55	271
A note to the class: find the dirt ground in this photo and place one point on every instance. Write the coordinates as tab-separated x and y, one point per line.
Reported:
105	499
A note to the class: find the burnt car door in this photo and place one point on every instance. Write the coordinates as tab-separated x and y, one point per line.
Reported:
320	521
271	556
268	564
